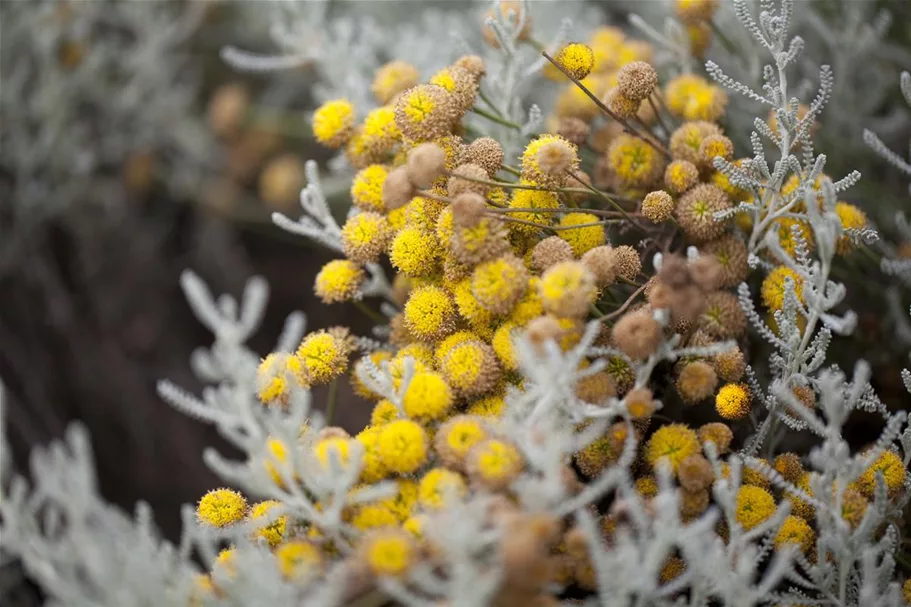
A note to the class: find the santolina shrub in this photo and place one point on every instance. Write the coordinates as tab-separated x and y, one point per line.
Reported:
569	293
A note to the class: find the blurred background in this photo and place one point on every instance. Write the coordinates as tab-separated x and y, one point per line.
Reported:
132	150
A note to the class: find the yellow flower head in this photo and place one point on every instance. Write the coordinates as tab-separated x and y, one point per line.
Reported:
491	406
445	346
577	59
298	560
333	122
380	132
681	175
494	464
686	141
388	552
325	354
852	218
795	530
504	347
694	98
733	401
892	469
360	388
367	188
277	454
567	289
499	284
773	287
221	507
374	516
478	317
635	163
425	112
338	281
383	413
529	306
273	532
786	234
372	467
754	506
581	239
430	313
402	446
457	436
531	199
365	236
696	11
415	252
459	83
547	159
438	485
393	78
427	397
674	443
276	375
471	368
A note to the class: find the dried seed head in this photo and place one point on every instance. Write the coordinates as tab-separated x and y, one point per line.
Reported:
604	135
657	206
680	175
543	329
425	164
675	272
426	112
550	251
397	189
227	109
789	466
637	80
484	241
457	185
696	212
692	505
281	181
687	140
714	146
573	130
485	152
640	403
557	156
706	272
468	209
620	104
717	433
602	262
695	473
731	365
637	334
596	388
696	382
473	64
731	254
628	262
722	316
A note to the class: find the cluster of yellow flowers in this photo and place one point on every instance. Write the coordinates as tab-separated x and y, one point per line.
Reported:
485	251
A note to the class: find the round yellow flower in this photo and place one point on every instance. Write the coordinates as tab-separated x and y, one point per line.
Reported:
273	532
380	132
388	552
446	346
892	469
489	406
298	560
581	239
425	112
457	436
276	375
494	464
852	218
471	368
754	506
430	313
221	507
786	236
415	252
333	122
773	286
567	289
402	446
504	347
372	467
635	163
795	530
324	355
499	284
479	318
438	485
675	442
337	447
529	306
383	413
365	236
531	199
733	401
427	397
338	281
367	188
393	78
577	59
373	516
